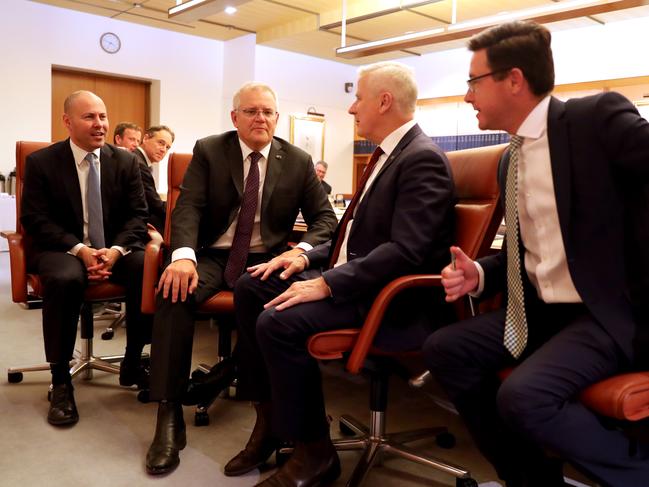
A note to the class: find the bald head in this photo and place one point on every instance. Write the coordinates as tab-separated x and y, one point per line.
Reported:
85	118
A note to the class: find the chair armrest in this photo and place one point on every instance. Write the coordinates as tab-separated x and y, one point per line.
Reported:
151	273
624	396
18	265
377	311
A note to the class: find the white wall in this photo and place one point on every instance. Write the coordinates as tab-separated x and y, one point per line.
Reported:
187	69
302	82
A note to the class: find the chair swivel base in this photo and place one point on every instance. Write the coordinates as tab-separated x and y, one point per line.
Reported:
374	441
201	416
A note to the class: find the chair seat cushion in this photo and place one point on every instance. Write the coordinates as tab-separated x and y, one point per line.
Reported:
220	303
103	291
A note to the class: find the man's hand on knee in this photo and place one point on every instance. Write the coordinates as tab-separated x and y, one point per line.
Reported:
289	261
301	292
180	278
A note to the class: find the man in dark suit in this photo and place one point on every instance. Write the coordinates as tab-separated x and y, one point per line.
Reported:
574	187
237	207
321	171
398	223
86	225
155	145
127	136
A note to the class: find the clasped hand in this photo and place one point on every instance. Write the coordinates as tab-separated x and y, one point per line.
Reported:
98	262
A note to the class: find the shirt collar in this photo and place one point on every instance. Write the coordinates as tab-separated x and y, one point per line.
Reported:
80	154
245	150
536	123
146	158
391	141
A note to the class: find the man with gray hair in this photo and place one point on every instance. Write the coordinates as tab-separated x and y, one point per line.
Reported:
239	200
400	221
321	171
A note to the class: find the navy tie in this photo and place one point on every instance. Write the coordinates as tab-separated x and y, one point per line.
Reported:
93	202
241	241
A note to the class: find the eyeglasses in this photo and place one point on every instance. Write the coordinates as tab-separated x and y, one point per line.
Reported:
472	81
267	113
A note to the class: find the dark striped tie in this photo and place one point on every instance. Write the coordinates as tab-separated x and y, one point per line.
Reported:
93	202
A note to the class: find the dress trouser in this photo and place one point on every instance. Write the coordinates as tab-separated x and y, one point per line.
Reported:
536	407
274	361
173	326
64	280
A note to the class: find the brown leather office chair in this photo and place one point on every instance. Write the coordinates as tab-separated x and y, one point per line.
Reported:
478	215
218	307
26	288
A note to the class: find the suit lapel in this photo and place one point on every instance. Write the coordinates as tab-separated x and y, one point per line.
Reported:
274	169
559	143
108	174
235	160
70	180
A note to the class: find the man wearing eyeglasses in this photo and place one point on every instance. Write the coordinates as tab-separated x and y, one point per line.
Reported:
574	271
237	207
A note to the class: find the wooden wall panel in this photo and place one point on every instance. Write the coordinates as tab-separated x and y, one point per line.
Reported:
125	99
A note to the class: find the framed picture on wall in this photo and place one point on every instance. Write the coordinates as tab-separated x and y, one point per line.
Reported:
308	133
643	108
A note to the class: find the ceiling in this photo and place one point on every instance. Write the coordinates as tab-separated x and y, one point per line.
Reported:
312	27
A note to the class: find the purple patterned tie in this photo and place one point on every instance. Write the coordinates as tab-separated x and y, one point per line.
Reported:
241	241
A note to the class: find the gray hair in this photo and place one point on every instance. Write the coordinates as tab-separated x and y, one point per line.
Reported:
253	86
323	164
397	78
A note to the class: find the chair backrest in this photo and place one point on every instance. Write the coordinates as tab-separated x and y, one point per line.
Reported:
176	168
478	211
23	149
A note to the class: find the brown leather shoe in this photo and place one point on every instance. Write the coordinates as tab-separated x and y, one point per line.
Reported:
260	446
313	464
169	439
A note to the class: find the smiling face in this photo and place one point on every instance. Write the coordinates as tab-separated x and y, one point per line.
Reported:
255	129
87	121
157	145
488	96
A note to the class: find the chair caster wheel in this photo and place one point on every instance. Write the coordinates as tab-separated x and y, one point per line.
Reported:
445	440
201	418
143	396
346	430
14	377
466	482
197	374
108	335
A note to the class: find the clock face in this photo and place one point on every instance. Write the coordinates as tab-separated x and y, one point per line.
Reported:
110	42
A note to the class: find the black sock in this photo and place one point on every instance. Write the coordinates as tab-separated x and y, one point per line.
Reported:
133	355
60	373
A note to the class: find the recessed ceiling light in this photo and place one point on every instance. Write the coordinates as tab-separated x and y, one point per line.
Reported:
230	10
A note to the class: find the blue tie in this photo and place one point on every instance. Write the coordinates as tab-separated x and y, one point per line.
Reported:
93	202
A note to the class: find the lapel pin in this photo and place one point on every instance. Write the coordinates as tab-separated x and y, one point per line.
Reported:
278	156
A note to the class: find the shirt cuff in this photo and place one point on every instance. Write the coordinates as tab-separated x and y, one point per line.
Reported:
308	263
121	250
75	250
478	291
304	246
183	253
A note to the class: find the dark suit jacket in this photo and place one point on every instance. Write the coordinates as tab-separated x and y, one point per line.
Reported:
212	189
157	207
51	208
599	150
403	225
326	186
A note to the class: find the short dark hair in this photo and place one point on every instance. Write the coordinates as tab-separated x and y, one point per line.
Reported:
151	131
522	45
121	128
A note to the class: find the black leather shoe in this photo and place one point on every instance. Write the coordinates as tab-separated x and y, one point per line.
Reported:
313	464
205	388
169	439
133	375
259	448
63	410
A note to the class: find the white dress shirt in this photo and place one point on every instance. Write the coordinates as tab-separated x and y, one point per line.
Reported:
545	255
